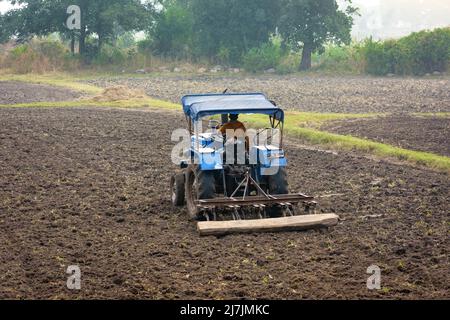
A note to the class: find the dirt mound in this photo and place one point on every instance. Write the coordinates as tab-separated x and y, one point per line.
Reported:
117	93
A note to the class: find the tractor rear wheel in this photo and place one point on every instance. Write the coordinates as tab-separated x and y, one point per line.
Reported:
277	184
177	189
199	185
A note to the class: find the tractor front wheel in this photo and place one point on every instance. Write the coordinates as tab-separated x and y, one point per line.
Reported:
199	185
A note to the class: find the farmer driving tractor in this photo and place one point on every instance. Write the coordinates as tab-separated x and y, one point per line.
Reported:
234	124
237	127
215	190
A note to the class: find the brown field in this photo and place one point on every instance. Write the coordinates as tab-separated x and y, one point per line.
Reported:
310	93
89	187
17	92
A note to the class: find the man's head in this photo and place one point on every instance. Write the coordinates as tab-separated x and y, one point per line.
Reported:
234	117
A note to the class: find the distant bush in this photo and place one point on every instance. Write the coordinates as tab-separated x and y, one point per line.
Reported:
265	57
391	56
109	55
172	32
417	54
430	50
340	59
144	46
377	62
55	51
126	40
21	59
223	56
289	63
39	56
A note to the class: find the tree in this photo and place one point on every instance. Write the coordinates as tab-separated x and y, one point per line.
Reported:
100	17
234	26
172	31
309	24
36	17
5	33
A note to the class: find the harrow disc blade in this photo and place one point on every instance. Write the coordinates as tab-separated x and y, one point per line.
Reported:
253	200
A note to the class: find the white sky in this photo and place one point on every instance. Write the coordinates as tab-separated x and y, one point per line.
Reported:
385	18
5	6
395	18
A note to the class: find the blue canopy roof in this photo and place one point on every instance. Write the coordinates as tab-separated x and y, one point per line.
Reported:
198	106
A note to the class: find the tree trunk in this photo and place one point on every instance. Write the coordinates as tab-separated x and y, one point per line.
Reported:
83	40
82	43
72	44
306	58
100	42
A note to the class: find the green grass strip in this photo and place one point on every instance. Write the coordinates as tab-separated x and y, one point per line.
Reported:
132	103
380	149
345	142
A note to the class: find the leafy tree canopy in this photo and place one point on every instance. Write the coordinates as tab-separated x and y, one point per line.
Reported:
223	30
101	17
232	26
310	24
172	31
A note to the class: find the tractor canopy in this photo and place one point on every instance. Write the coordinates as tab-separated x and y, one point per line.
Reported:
203	105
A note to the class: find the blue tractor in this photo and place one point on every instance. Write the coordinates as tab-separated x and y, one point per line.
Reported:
242	177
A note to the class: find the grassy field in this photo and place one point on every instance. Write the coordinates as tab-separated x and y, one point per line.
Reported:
129	103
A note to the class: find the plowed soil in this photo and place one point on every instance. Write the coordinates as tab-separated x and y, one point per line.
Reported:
89	187
18	92
310	93
429	134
